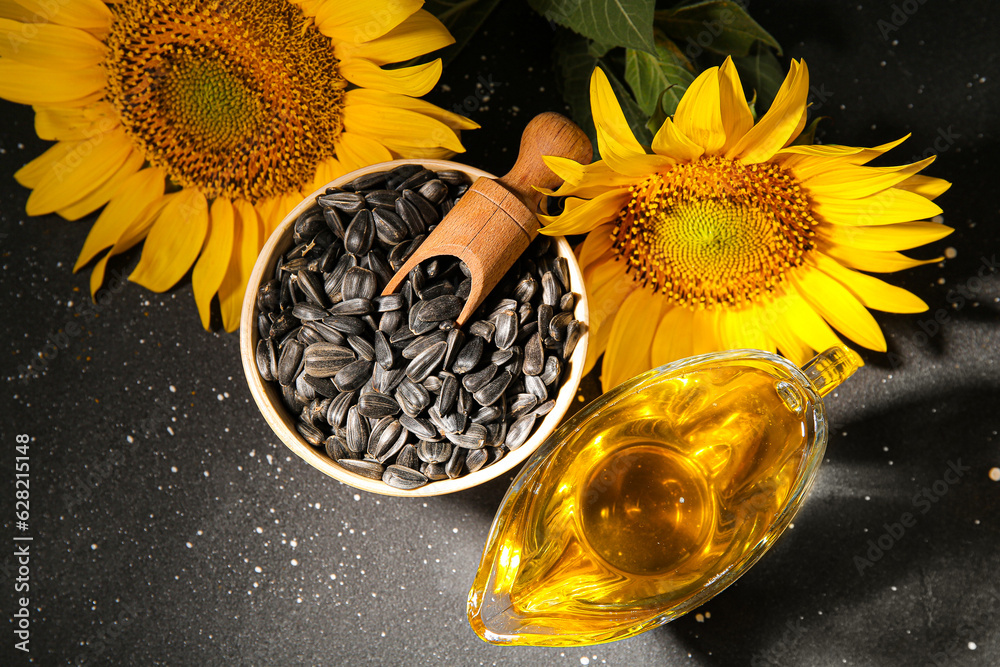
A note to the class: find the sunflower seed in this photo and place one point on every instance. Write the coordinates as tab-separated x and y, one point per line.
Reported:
483	329
432	384
489	394
336	414
307	336
357	431
558	325
284	323
310	433
445	307
434	451
365	468
488	414
544	408
526	289
347	324
389	226
304	388
350	307
449	393
327	333
433	191
423	429
391	322
375	405
428	213
514	365
323	360
476	459
384	438
473	438
545	314
501	357
389	302
551	289
400	477
353	375
364	349
368	181
506	324
535	386
523	404
433	471
454	422
269	296
347	202
453	468
469	356
534	356
567	302
288	363
263	326
411	217
407	457
552	370
386	381
359	283
426	362
336	448
322	386
360	233
573	334
519	431
383	351
334	222
421	343
266	363
476	381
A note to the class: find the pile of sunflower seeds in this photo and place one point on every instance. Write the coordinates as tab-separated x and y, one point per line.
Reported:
389	386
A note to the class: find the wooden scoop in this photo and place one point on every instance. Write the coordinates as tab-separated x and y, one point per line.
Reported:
493	223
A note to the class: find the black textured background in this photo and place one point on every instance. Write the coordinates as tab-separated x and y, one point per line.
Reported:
171	527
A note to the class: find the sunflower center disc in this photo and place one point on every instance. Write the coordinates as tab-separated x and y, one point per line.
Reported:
239	99
715	231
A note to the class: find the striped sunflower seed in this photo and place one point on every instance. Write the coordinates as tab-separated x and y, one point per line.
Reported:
426	362
353	375
357	431
519	431
288	363
489	394
476	381
476	459
434	451
324	360
365	468
469	356
444	307
400	477
506	323
534	356
360	234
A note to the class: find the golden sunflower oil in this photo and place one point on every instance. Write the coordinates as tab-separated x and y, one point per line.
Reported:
653	499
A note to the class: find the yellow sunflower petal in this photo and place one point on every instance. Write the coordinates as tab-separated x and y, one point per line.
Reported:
355	151
382	98
103	193
246	245
80	172
214	260
127	206
51	46
326	171
840	308
878	261
31	174
801	319
779	124
28	84
743	329
885	208
699	115
584	180
736	116
608	114
91	15
631	338
400	127
672	340
704	337
605	299
581	216
620	157
855	182
75	123
925	186
901	236
416	81
419	34
871	291
362	21
173	242
671	141
131	233
597	246
791	345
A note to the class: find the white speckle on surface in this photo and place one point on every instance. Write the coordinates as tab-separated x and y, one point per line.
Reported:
294	562
173	389
584	660
995	474
950	253
972	646
93	547
259	530
189	545
357	496
173	468
700	618
258	570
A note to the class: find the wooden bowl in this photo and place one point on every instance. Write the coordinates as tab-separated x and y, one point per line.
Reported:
268	396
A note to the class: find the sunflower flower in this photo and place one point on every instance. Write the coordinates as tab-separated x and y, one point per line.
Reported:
199	123
725	235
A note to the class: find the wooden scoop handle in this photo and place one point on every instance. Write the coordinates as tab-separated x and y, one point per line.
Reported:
493	223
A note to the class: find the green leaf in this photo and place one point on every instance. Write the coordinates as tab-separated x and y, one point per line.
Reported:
720	26
761	73
575	63
660	80
808	136
627	23
463	18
